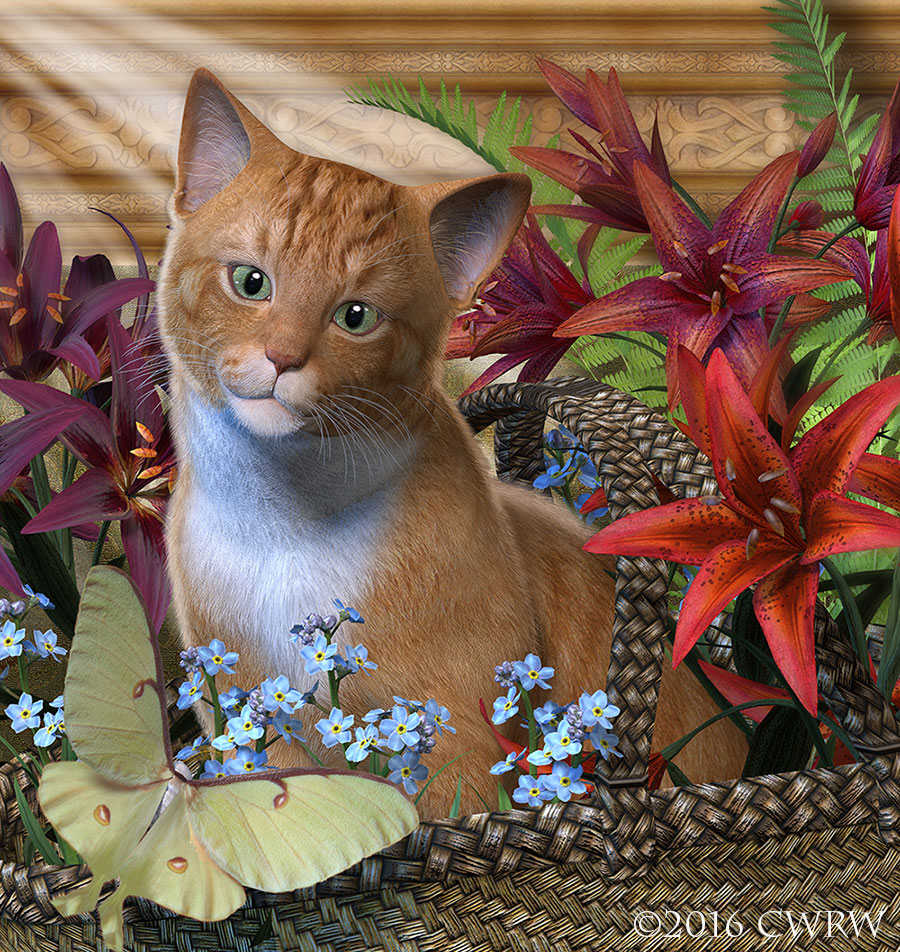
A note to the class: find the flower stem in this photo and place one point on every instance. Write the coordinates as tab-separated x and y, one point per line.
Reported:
218	720
776	231
23	673
692	203
532	729
98	545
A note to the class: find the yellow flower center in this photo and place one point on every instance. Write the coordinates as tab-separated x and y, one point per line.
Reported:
405	771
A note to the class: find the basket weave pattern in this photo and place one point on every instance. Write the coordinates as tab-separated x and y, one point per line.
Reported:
569	876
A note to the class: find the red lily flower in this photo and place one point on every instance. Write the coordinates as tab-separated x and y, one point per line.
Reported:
738	690
130	462
715	281
779	513
605	182
880	170
527	297
39	326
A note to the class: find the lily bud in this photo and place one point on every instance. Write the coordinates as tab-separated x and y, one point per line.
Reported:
817	145
807	215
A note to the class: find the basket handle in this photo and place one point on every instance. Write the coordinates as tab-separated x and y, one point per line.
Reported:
627	442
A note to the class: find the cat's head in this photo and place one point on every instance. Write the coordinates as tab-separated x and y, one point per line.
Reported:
291	283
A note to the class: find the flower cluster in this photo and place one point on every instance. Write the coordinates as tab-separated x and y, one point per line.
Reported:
567	466
25	710
393	741
559	736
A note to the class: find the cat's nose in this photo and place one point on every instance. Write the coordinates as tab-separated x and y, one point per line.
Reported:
283	361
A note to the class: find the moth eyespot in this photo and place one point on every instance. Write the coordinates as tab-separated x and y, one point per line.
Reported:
357	317
178	864
101	814
250	282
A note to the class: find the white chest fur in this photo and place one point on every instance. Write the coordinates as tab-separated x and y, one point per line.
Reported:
276	528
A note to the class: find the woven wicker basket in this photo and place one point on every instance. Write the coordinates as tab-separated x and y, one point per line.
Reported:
622	874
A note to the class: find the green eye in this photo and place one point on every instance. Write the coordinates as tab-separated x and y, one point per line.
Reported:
250	282
356	317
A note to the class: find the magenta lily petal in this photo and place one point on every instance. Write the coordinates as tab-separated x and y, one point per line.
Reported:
828	453
848	252
570	90
838	524
618	210
784	603
144	544
100	301
88	437
94	496
43	265
11	237
774	277
724	574
79	352
647	304
9	577
497	369
22	439
748	220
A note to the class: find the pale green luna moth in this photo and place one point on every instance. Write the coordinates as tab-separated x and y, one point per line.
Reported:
278	831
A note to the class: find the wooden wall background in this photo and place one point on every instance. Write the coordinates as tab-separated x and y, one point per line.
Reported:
91	91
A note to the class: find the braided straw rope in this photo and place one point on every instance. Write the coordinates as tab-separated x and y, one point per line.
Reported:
572	876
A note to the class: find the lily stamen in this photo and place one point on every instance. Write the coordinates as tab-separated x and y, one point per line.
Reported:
712	500
752	542
715	303
670	276
717	247
773	520
729	282
733	268
784	506
771	474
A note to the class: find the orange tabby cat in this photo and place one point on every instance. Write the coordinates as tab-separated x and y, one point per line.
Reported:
305	311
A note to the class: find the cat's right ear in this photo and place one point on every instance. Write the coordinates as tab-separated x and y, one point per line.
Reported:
214	145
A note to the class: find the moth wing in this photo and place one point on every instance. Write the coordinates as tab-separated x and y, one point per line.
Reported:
172	869
101	819
298	827
115	714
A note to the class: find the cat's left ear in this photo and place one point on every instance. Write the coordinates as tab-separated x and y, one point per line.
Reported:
472	224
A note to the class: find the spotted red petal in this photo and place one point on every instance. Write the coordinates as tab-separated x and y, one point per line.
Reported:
682	531
784	603
877	477
724	574
738	690
838	524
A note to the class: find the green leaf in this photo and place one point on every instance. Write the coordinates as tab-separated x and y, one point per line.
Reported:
43	569
679	778
503	800
34	831
454	808
780	744
437	773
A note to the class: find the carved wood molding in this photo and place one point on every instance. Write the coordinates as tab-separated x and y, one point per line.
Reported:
91	93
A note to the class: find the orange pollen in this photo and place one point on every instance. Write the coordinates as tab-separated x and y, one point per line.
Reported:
7	305
752	542
58	297
679	247
489	287
171	482
145	433
715	303
733	268
150	473
17	316
729	282
10	291
487	309
54	314
670	276
144	453
774	521
20	280
717	247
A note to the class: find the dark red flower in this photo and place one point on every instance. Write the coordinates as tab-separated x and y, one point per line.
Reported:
605	180
527	297
880	171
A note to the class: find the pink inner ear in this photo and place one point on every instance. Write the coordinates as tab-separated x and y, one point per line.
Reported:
214	146
471	229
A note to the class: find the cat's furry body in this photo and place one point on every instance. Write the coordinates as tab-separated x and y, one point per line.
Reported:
317	463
